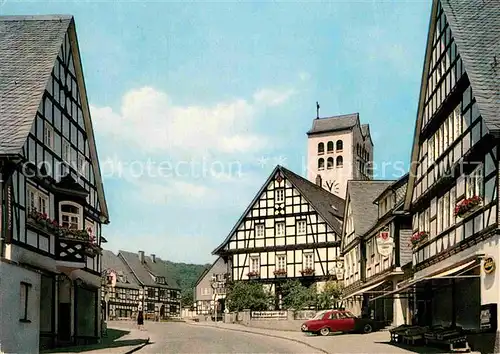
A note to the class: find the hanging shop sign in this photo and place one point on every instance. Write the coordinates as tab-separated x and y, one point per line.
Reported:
489	265
488	318
385	243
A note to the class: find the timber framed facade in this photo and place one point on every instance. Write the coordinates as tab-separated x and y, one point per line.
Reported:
289	231
52	199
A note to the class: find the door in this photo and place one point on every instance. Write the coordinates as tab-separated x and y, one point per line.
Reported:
334	322
64	322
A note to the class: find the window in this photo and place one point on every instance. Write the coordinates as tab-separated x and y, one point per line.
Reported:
81	163
49	136
475	182
24	301
254	264
280	229
329	147
329	163
308	260
321	164
259	230
321	148
340	145
301	227
281	262
457	122
66	151
70	215
151	292
340	161
38	200
280	195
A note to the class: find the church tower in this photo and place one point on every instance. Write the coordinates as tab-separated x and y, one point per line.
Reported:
339	149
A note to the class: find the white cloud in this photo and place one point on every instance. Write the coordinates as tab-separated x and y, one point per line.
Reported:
304	76
148	119
273	97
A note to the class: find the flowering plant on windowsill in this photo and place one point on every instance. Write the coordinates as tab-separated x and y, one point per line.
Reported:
418	237
51	225
307	271
467	205
253	274
280	272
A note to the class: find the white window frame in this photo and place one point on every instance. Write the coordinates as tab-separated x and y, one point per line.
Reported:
48	136
280	195
280	229
301	227
40	199
475	182
66	151
79	214
255	264
308	260
80	167
281	261
260	230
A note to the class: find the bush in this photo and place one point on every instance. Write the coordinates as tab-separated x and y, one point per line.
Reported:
247	295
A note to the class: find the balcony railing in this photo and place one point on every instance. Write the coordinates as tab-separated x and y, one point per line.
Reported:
71	245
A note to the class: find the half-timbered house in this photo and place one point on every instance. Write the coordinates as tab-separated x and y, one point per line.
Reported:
52	197
120	290
159	296
290	230
374	260
453	183
210	289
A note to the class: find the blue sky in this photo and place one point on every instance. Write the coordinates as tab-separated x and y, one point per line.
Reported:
225	84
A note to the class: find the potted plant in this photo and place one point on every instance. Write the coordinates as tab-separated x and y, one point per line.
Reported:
253	274
307	271
280	272
467	206
418	237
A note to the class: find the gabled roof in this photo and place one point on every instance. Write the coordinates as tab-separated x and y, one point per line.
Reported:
28	51
475	27
360	197
29	47
110	261
394	186
207	270
329	206
139	270
159	268
335	123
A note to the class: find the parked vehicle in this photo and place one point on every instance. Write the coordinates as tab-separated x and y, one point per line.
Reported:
340	321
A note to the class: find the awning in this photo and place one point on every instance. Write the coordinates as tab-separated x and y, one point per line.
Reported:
451	273
365	289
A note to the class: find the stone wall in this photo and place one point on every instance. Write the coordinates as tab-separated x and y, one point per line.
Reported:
291	321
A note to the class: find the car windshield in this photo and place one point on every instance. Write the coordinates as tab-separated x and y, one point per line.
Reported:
319	315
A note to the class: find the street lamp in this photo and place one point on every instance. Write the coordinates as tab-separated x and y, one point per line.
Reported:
214	286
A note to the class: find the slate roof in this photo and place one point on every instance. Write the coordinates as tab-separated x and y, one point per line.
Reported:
112	261
335	123
319	198
365	130
159	268
361	195
28	49
138	269
475	26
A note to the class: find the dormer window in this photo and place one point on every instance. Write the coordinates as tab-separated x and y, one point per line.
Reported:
71	215
160	280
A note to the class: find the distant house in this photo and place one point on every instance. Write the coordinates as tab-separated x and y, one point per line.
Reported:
159	296
120	294
376	248
290	230
51	192
210	289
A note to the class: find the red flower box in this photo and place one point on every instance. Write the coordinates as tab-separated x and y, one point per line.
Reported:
280	272
307	271
467	205
418	237
253	274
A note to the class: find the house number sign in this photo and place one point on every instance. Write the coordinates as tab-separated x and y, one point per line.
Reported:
489	265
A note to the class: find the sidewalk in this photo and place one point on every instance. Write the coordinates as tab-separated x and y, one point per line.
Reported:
117	341
377	342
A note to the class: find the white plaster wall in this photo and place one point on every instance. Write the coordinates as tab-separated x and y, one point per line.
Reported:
341	175
16	336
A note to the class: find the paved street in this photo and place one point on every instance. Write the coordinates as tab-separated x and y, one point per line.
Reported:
184	338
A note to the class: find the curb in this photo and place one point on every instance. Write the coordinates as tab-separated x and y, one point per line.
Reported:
262	334
139	347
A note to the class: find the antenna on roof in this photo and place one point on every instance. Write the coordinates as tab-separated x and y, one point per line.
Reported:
317	110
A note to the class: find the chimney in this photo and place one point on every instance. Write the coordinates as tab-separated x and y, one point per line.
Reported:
153	257
319	181
141	256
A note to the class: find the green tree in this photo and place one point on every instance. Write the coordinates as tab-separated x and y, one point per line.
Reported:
187	298
247	295
330	295
297	296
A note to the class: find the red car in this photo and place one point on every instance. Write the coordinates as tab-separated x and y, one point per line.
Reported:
339	321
